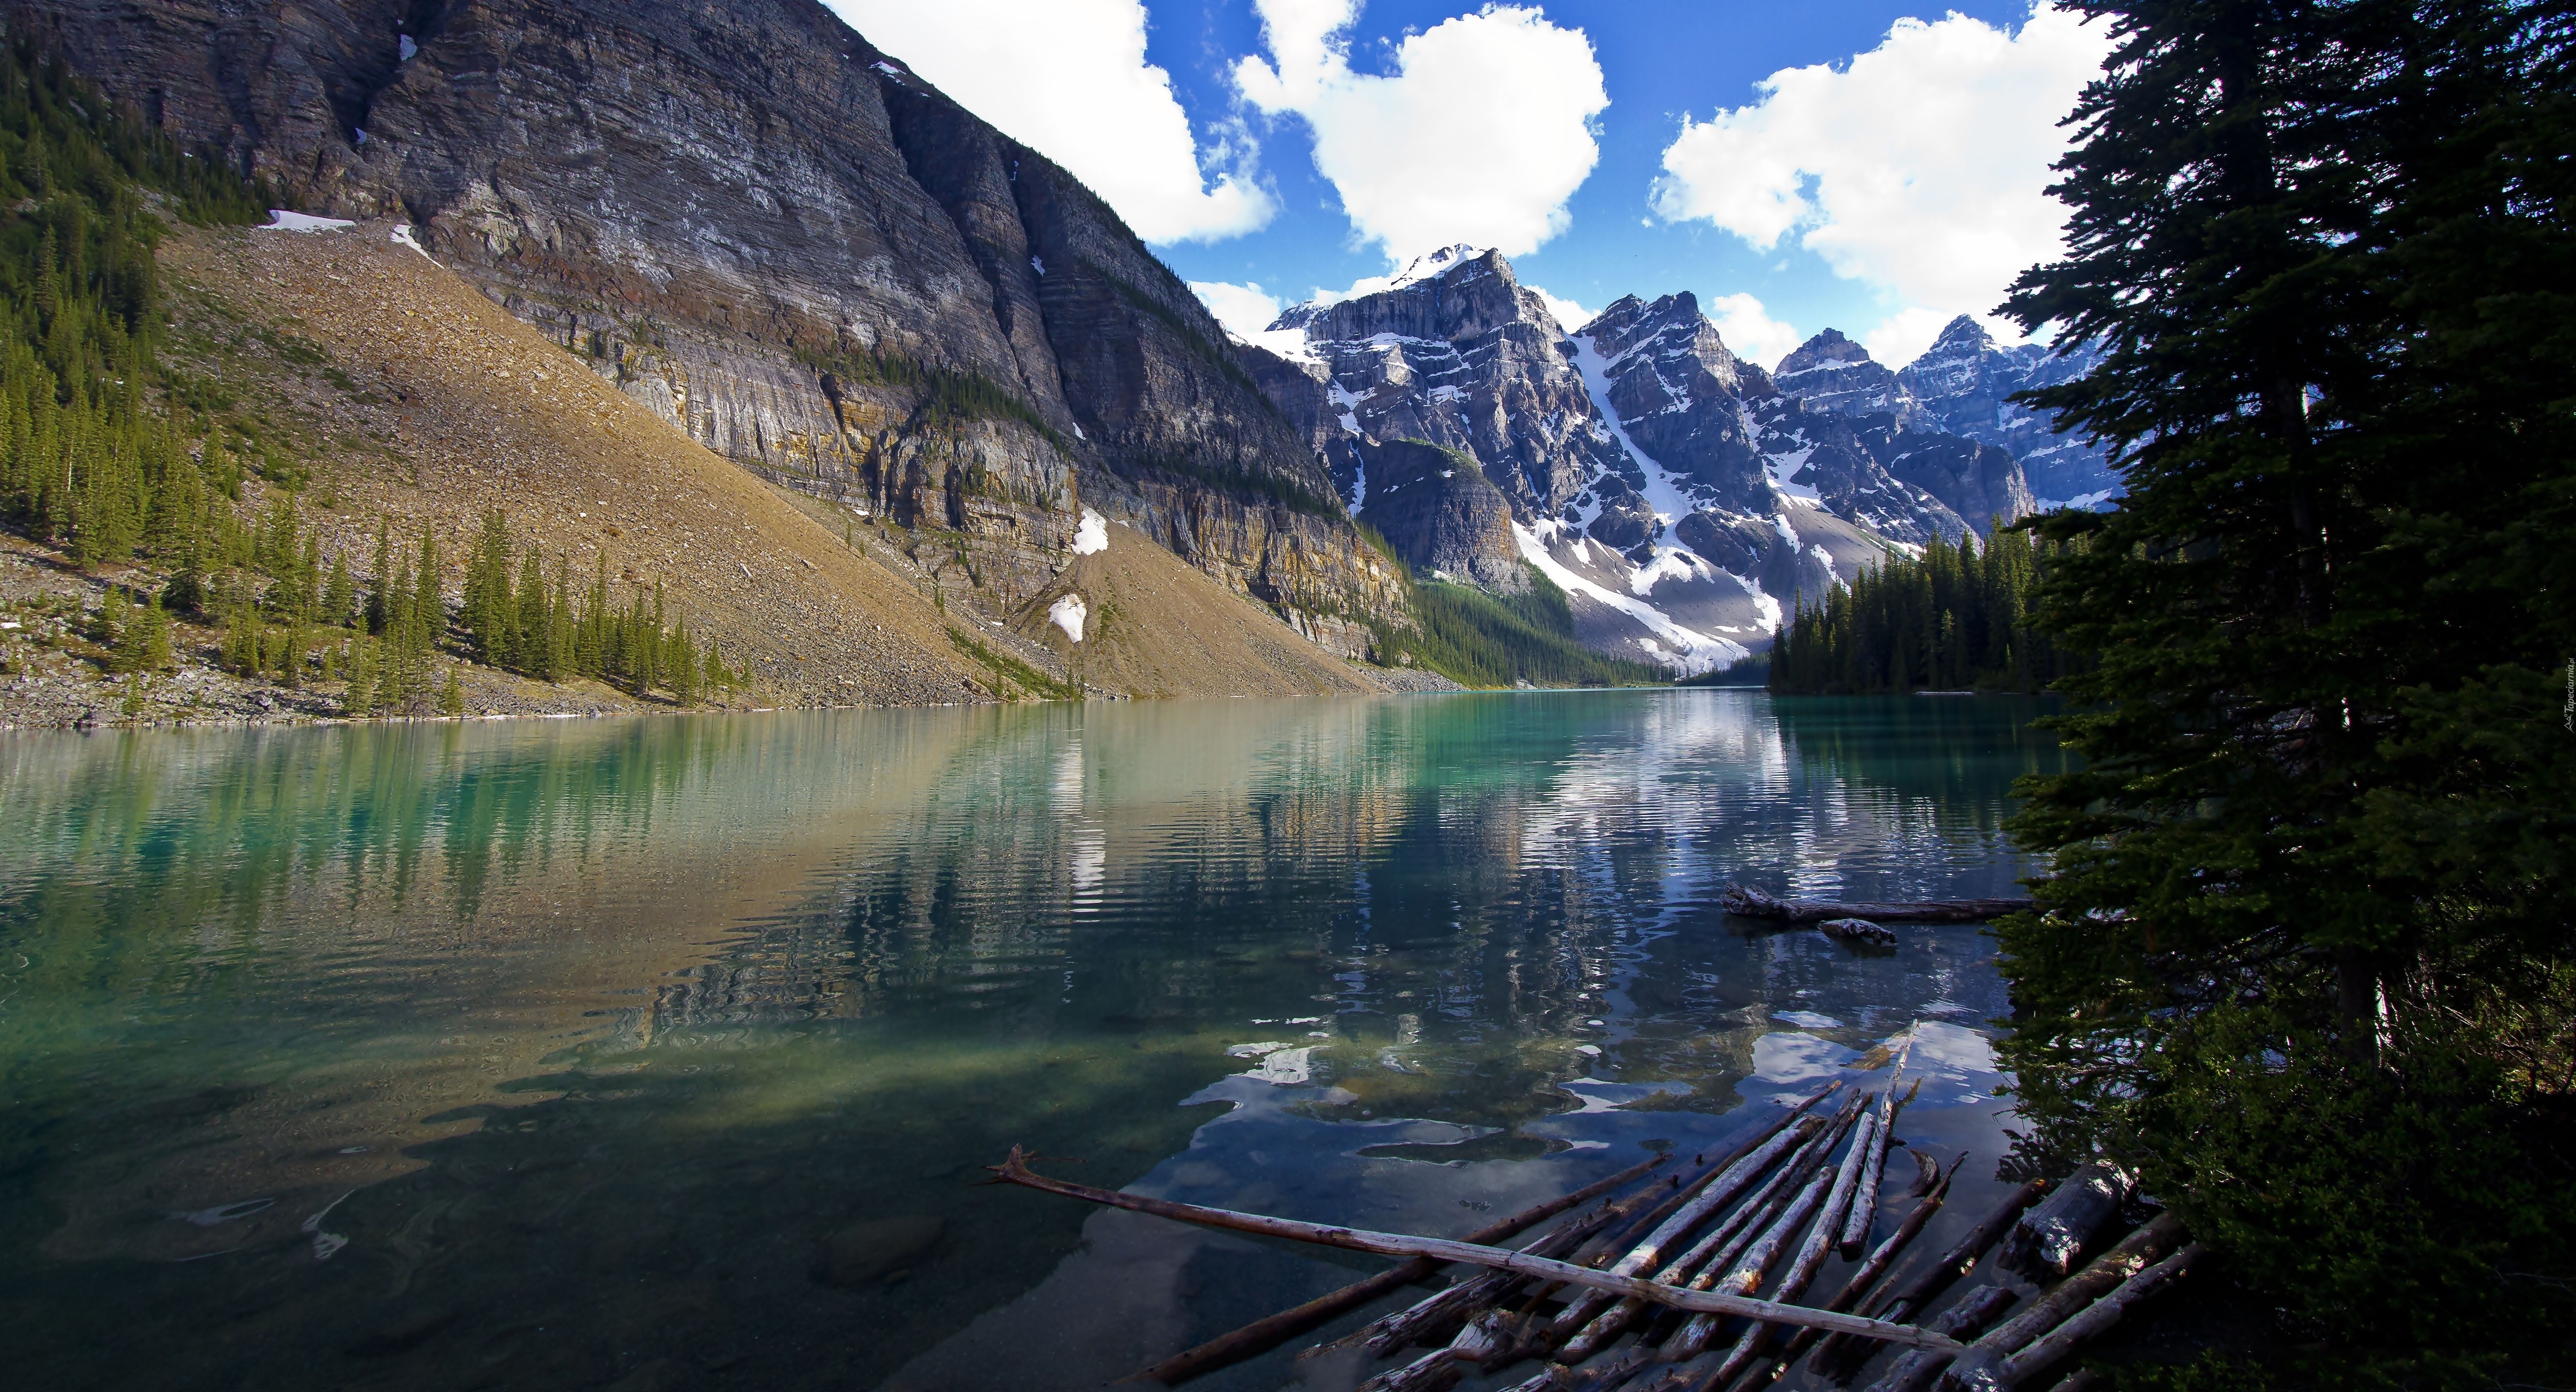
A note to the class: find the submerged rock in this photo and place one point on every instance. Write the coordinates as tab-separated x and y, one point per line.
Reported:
865	1253
1859	930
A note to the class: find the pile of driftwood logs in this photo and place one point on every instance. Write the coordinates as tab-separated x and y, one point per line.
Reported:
1863	923
1656	1282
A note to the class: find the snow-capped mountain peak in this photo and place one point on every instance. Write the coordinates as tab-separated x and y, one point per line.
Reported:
1681	496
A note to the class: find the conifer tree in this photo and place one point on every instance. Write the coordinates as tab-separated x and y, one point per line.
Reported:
2303	950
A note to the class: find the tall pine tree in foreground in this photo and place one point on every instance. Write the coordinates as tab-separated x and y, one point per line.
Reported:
2305	950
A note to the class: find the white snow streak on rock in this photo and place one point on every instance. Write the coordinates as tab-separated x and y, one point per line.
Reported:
402	235
1696	652
1091	537
280	220
1067	613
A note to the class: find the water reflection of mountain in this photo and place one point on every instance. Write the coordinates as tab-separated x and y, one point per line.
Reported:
1470	873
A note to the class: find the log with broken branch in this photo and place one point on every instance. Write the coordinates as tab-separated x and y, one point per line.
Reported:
1977	1366
1015	1170
1744	902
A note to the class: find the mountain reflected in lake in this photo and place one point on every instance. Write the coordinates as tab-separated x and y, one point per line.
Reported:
555	1054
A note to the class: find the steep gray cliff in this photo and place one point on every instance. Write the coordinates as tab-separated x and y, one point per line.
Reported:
786	243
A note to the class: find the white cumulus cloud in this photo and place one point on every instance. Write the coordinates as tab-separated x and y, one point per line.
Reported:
1245	310
1569	315
1069	79
1920	166
1749	330
1480	133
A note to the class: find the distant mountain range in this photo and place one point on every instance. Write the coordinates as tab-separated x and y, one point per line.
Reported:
1683	498
789	245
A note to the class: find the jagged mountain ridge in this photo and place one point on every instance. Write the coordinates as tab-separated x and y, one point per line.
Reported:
1683	497
782	240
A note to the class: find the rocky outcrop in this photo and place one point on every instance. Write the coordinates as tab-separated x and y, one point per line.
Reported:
1442	515
780	239
1963	386
1833	374
1459	354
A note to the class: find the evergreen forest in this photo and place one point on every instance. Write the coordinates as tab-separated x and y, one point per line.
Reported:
1954	618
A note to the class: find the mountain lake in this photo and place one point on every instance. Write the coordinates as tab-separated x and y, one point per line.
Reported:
667	1053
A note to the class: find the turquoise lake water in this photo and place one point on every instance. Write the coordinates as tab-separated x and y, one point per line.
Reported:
666	1053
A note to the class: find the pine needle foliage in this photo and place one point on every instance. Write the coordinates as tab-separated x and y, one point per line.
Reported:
1952	618
84	462
2304	949
541	629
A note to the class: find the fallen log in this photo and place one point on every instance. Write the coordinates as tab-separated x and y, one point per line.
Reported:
1435	1315
1015	1170
1262	1335
1867	1275
1698	1268
1747	1160
1929	1283
2046	1242
1862	1211
1915	1371
2126	1258
1813	1201
2038	1356
1744	902
1748	1166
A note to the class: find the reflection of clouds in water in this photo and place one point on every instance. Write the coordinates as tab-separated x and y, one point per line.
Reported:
1064	790
1797	1058
1285	1067
1090	858
1962	1051
1806	1019
1955	1063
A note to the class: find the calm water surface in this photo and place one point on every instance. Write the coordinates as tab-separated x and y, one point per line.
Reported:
663	1054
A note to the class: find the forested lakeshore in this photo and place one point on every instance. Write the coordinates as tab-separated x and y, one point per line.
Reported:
2303	953
1955	617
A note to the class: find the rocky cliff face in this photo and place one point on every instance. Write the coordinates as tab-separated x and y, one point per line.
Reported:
1961	387
782	240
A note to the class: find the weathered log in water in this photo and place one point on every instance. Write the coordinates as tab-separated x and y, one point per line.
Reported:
1749	1163
1978	1366
1014	1170
1866	1277
1836	1356
2045	1352
1262	1335
1745	902
1744	1276
1700	1267
1915	1371
1859	931
2045	1244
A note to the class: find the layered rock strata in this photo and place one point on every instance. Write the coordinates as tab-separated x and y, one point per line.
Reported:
783	241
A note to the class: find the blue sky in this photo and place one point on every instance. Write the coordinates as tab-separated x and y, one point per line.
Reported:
1869	166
